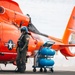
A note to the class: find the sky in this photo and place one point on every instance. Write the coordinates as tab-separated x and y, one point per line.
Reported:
50	17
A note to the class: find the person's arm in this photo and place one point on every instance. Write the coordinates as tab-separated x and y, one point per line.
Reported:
26	42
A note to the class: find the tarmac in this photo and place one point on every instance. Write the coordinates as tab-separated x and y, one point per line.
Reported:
62	69
38	73
10	69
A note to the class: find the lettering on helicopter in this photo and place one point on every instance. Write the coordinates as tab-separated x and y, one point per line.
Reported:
10	44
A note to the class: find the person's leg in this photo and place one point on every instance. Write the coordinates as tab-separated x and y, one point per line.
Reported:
23	61
18	60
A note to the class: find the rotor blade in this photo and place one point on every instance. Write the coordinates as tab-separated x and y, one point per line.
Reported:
33	29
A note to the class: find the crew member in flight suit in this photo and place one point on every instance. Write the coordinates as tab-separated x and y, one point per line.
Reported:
22	46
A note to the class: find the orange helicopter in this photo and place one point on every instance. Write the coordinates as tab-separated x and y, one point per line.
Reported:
12	18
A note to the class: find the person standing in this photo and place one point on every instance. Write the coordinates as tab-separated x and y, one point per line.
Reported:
22	47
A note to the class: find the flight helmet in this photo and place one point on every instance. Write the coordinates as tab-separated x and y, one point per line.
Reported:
24	28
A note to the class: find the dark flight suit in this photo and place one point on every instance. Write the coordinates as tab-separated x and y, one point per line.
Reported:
22	51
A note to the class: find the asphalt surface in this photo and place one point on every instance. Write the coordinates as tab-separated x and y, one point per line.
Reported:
9	69
2	72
